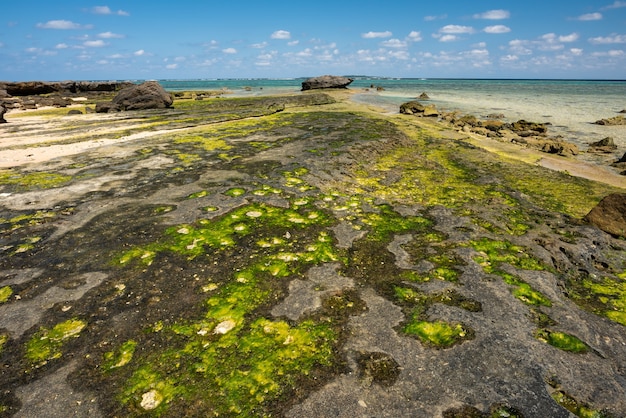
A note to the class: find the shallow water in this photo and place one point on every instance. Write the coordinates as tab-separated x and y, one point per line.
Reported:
570	106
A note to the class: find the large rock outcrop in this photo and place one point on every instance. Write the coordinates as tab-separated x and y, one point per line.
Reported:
326	82
149	95
610	215
31	88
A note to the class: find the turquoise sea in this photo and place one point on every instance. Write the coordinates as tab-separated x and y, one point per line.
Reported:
570	106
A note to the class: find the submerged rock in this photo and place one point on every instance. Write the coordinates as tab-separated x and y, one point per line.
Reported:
610	215
149	95
326	82
606	145
614	121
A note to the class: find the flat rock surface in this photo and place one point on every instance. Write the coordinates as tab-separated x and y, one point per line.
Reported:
298	256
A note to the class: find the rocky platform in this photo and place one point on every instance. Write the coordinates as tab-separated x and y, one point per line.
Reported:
299	256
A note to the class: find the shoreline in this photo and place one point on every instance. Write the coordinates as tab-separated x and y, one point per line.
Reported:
40	148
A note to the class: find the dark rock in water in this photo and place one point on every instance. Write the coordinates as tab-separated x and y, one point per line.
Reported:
610	215
606	145
3	110
149	95
411	108
622	111
74	112
416	108
524	126
614	121
326	82
424	96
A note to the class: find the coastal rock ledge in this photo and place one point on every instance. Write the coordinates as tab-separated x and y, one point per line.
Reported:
326	82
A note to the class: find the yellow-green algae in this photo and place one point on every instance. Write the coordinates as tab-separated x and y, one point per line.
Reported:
5	293
24	181
438	334
575	407
561	340
193	240
121	357
611	293
46	344
493	253
230	361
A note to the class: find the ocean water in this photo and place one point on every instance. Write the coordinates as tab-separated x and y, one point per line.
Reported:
570	106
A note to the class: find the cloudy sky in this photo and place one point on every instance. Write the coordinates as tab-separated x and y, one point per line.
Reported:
69	39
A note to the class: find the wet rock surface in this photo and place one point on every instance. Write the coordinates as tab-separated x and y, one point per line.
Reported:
297	256
326	82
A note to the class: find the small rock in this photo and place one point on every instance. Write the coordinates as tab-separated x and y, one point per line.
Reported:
424	96
150	400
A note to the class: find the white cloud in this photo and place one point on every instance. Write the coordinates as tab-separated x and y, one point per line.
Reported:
572	37
105	10
260	45
496	29
139	53
110	35
229	51
576	51
614	53
293	43
590	16
414	36
448	38
281	34
493	15
394	43
62	24
509	58
305	53
61	46
432	18
456	29
613	39
115	56
373	35
95	44
615	5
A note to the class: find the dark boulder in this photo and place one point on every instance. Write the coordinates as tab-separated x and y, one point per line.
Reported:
424	96
326	82
149	95
412	108
606	145
610	215
3	110
528	128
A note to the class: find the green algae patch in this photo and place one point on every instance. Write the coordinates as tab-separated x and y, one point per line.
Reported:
121	357
236	370
204	142
576	407
5	293
438	334
562	341
387	222
494	253
46	344
33	180
610	294
193	240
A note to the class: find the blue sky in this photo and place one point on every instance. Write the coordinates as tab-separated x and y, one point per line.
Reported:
83	40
